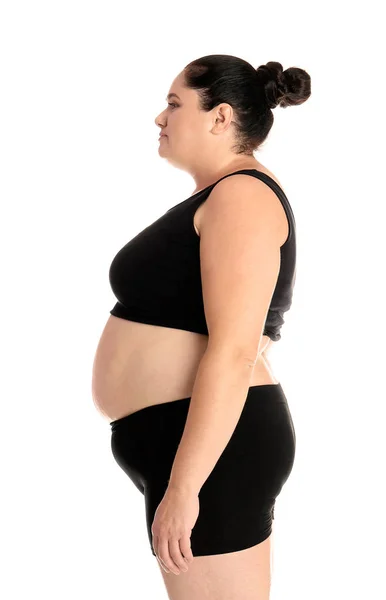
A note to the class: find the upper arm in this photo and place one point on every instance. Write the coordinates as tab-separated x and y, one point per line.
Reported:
240	238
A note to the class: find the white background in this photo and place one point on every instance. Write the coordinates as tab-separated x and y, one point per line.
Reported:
81	85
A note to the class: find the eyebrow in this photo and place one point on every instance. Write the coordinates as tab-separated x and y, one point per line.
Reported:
171	95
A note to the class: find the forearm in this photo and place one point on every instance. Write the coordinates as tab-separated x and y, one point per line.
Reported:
218	398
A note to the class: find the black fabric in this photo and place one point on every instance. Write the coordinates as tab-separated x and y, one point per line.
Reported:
237	500
156	275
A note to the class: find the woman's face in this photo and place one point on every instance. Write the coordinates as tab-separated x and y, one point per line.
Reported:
189	140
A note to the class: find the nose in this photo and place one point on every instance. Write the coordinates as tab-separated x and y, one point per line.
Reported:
157	121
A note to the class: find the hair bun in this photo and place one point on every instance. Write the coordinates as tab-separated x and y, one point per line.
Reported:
272	77
287	88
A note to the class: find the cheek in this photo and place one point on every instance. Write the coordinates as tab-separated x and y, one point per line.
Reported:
194	133
187	133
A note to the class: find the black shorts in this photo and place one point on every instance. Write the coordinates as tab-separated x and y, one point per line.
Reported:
237	500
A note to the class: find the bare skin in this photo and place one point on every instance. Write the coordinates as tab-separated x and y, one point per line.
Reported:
243	575
138	365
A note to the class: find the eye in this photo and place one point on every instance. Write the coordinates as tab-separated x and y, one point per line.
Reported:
172	104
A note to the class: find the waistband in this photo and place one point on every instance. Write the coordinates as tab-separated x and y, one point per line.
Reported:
263	392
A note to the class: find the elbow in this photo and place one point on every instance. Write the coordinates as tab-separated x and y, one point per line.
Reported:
251	356
233	355
238	353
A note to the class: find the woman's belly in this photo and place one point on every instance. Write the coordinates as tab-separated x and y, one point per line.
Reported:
138	365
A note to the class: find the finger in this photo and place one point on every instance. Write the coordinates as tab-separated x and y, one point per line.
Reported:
162	565
163	553
186	550
176	556
155	548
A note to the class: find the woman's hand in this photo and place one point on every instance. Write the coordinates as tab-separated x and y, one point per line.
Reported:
173	522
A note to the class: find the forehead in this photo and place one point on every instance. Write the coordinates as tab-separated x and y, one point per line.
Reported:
178	87
177	83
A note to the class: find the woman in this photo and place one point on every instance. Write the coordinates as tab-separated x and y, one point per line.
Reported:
199	421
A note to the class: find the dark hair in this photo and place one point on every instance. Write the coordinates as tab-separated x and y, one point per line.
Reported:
251	92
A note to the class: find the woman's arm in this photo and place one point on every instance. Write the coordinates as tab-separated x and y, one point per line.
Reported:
240	261
218	398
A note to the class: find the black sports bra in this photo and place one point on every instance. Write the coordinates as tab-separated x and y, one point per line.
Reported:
156	275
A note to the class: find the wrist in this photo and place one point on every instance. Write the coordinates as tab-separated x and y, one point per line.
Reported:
182	488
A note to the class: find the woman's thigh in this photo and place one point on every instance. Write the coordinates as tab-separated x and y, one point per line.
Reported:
242	575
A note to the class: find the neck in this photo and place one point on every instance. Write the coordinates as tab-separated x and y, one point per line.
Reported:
210	175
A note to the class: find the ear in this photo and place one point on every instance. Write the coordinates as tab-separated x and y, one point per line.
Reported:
223	117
